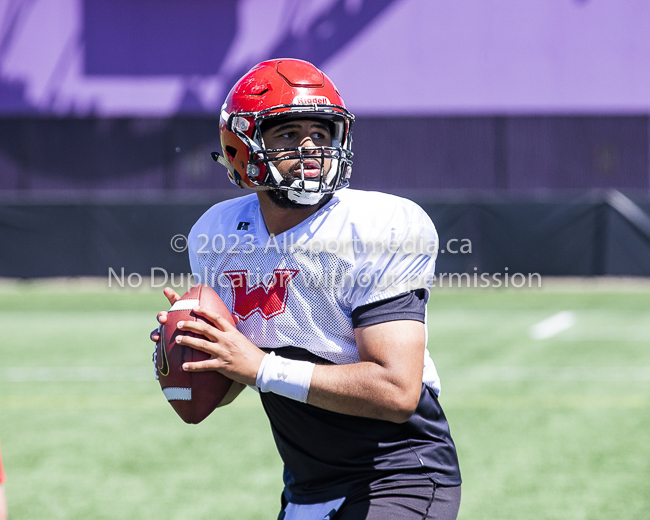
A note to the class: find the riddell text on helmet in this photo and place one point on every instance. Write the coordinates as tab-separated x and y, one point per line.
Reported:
311	100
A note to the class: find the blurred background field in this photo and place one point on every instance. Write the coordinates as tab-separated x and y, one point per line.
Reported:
521	128
554	428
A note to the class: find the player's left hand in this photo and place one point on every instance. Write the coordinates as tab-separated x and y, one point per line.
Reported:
172	296
231	353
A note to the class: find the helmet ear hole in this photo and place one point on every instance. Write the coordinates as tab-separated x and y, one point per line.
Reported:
231	151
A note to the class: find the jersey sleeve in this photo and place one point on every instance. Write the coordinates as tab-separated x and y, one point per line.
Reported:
201	245
394	258
192	250
409	306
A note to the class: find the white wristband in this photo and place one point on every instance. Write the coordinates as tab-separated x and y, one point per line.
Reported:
285	377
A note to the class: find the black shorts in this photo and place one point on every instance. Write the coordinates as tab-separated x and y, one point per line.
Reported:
395	498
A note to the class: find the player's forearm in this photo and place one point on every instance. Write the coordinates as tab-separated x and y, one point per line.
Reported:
365	389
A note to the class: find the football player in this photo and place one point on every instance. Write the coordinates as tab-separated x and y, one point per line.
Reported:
330	287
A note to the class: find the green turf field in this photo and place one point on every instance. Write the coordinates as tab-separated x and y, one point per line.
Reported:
555	428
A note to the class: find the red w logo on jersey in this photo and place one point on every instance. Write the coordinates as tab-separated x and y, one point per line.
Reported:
269	300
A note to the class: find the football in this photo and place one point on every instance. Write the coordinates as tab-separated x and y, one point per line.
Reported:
193	395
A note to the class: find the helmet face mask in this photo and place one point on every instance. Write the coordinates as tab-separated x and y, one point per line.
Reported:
272	93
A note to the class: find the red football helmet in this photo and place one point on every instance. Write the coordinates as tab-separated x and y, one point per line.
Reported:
284	88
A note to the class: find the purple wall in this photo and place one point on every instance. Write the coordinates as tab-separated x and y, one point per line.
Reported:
388	57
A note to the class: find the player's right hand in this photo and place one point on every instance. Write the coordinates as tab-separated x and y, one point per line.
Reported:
173	297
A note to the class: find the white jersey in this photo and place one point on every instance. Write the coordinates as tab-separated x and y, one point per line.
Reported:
300	288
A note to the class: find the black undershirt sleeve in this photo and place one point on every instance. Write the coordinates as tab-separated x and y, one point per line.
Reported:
408	306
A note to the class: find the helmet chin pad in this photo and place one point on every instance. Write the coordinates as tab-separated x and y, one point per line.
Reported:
304	197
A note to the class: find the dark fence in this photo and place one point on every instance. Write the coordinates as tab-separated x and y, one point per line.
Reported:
507	154
602	233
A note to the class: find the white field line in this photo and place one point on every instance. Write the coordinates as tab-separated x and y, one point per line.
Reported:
553	325
596	374
605	338
75	374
